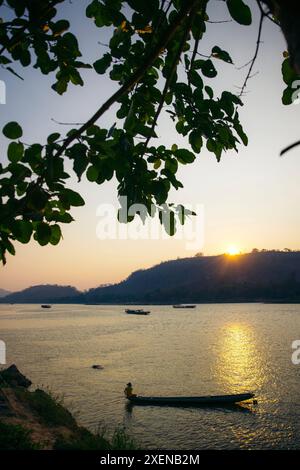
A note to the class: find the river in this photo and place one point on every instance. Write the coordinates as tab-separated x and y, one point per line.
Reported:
212	349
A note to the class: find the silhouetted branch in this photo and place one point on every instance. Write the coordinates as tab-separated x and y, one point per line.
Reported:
290	147
67	123
253	60
268	14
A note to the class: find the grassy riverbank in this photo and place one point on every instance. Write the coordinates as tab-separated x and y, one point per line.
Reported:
37	420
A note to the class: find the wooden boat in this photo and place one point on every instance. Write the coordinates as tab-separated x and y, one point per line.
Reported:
184	306
137	311
46	306
192	401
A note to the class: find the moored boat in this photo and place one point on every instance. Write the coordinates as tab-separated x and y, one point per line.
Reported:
191	401
137	311
184	306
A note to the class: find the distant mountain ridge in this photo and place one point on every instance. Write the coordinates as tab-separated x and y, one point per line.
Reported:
4	292
46	293
252	277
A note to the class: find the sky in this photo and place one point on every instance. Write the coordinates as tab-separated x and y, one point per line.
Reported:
249	199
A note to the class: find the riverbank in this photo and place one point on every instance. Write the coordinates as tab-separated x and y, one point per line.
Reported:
37	420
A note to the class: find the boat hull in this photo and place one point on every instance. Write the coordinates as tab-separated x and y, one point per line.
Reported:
132	312
192	401
184	306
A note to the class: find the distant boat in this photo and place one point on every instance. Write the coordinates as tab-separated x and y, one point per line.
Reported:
137	311
191	401
46	306
184	306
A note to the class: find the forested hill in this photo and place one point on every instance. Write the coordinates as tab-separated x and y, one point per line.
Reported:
258	276
42	294
253	277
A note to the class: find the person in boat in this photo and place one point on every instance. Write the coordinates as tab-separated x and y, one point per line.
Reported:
129	391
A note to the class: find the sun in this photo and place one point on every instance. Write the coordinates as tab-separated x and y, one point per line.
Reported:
233	250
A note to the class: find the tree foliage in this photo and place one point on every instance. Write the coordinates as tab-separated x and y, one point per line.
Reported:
153	56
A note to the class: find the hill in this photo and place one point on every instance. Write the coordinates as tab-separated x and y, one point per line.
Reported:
253	277
3	292
47	293
262	276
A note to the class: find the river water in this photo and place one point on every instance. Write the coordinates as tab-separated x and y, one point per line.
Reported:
212	349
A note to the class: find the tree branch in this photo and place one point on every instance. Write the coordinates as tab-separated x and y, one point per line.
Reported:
67	123
173	68
195	51
262	16
290	147
137	75
267	13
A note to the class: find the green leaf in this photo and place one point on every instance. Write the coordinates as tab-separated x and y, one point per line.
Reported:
69	41
167	218
184	156
61	85
10	247
78	153
19	172
55	234
144	131
43	233
60	27
75	77
79	166
73	198
12	130
195	140
37	198
145	8
63	218
4	60
169	98
214	147
15	152
288	73
53	137
102	65
195	79
92	173
209	91
208	69
22	230
240	12
218	53
171	165
241	133
287	96
25	58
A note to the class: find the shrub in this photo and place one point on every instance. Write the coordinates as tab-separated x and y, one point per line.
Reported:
48	408
16	437
86	440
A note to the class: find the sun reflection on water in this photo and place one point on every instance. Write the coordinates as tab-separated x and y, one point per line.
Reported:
239	364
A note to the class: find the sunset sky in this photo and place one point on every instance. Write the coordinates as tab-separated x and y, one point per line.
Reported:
249	199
